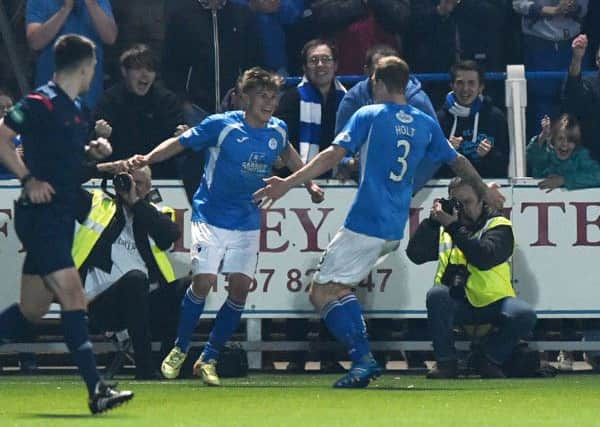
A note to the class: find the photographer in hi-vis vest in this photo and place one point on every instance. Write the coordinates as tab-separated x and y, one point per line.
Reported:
120	252
473	245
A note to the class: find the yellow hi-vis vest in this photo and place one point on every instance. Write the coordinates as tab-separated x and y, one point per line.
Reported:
483	286
101	213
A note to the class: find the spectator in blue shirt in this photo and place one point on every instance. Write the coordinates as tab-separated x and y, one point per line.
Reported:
46	20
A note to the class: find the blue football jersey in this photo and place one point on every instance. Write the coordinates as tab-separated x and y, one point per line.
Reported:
392	140
237	158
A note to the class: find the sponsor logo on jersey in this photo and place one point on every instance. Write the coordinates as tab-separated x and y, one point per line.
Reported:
256	164
242	139
404	118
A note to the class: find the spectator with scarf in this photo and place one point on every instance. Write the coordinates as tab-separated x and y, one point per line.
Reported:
309	109
475	127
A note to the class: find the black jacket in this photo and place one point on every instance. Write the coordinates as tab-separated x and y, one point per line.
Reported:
581	97
147	221
493	248
335	15
485	32
430	42
493	126
140	123
189	49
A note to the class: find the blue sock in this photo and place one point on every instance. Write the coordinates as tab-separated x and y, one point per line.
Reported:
191	310
340	324
13	325
226	323
353	309
76	337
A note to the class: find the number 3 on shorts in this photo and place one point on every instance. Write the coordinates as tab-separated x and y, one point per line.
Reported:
402	160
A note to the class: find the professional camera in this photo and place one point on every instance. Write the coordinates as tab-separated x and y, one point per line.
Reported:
122	182
448	205
455	277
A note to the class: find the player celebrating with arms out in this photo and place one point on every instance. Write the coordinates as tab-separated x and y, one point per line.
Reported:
242	147
392	138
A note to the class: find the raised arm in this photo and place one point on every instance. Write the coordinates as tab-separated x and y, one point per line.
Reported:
293	162
276	187
104	23
39	34
463	168
165	150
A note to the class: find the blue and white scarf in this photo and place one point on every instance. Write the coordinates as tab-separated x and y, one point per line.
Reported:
310	116
458	110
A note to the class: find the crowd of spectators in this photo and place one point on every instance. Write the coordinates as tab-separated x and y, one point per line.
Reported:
197	49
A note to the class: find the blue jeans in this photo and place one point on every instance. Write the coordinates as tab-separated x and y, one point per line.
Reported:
513	319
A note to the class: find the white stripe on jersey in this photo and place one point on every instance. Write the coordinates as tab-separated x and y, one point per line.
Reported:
363	155
281	131
215	151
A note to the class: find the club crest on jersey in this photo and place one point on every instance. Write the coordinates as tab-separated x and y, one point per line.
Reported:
272	143
404	118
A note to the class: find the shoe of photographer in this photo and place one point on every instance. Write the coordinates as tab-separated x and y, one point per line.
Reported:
295	367
332	367
443	370
488	369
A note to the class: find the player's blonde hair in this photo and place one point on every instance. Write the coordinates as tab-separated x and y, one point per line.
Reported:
257	77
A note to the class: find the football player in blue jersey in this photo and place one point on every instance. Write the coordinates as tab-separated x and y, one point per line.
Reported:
241	147
392	138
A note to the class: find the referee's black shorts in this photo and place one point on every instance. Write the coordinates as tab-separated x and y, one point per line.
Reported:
46	231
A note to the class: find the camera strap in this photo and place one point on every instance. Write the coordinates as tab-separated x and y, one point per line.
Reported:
450	257
103	187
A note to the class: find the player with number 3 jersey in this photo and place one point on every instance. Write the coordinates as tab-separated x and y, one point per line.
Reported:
392	138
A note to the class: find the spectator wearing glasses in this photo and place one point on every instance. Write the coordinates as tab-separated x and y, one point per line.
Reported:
309	109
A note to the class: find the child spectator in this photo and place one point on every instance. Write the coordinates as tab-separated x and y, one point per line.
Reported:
556	155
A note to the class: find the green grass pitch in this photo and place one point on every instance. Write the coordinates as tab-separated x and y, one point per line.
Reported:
308	400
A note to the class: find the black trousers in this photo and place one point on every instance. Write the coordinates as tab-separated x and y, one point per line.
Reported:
147	316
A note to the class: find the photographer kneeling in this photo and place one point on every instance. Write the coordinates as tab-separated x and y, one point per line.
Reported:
119	251
473	245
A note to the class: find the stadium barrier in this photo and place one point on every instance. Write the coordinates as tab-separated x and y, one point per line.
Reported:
558	234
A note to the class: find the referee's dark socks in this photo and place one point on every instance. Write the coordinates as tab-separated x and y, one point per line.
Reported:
76	337
13	325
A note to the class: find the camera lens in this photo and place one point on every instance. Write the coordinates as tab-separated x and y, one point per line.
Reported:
122	182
